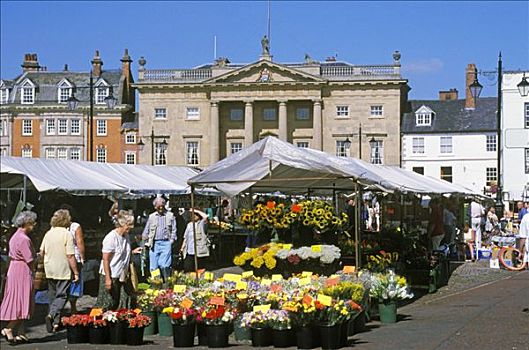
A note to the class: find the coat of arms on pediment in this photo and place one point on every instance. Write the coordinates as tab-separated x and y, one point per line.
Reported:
264	75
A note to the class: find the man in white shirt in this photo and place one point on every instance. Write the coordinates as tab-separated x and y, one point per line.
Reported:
476	213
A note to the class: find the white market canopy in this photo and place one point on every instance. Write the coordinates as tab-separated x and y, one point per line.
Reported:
91	178
273	165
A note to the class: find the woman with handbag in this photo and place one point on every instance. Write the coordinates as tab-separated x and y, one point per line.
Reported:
114	269
18	302
198	225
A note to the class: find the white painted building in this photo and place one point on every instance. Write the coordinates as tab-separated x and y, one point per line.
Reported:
515	136
452	139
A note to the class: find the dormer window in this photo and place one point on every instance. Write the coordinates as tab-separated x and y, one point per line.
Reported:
102	91
424	116
64	92
27	93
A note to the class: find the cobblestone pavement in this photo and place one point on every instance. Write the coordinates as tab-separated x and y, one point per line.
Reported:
479	308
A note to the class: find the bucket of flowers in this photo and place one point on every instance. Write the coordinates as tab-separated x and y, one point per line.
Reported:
117	324
77	328
98	331
331	319
135	330
388	288
164	299
146	304
183	318
218	319
303	315
257	321
282	332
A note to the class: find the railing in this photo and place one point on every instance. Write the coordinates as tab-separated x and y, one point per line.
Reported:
360	72
162	75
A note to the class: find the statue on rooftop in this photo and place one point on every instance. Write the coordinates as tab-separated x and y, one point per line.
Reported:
265	44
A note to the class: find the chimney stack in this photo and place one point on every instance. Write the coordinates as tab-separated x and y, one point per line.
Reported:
471	74
31	63
449	95
97	63
125	64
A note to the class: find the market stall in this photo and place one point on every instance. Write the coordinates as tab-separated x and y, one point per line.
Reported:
272	165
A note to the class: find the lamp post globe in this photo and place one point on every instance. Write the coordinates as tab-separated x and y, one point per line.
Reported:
475	88
373	142
141	145
347	143
72	103
523	86
110	101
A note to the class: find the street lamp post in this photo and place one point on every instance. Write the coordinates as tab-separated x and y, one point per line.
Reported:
110	102
475	90
347	142
141	144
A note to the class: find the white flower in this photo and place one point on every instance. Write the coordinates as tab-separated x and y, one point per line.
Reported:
282	253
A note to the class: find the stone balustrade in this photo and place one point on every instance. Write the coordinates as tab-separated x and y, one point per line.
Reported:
360	72
174	75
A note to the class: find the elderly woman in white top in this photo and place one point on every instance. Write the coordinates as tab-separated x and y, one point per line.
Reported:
114	268
188	247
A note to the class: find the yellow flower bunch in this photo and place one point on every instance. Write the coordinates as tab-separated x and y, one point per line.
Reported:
269	215
320	214
259	256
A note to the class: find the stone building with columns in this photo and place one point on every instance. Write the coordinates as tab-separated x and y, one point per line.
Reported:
197	116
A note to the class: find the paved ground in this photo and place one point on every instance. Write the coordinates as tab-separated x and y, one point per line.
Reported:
479	309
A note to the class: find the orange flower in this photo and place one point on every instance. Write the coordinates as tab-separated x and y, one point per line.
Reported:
318	305
355	306
271	204
296	208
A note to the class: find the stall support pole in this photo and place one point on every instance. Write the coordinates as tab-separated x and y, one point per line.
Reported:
194	229
334	199
402	212
24	191
357	227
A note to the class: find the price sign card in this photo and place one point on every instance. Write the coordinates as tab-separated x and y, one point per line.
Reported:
277	277
96	312
324	299
155	273
179	288
247	274
219	301
316	248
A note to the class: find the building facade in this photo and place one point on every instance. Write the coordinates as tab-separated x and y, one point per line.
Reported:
198	116
453	139
515	138
36	120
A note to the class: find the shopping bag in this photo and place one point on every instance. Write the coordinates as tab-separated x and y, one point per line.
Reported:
76	288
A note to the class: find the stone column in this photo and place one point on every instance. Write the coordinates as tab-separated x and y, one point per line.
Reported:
214	133
283	131
316	126
248	124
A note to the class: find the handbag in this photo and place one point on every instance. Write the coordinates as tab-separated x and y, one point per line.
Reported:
40	282
133	276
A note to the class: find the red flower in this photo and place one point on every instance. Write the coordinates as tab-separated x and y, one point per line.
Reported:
294	259
271	204
318	305
355	306
296	208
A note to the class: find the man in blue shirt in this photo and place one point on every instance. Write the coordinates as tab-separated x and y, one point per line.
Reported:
159	235
522	210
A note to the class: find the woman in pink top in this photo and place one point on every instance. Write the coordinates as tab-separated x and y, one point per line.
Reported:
17	304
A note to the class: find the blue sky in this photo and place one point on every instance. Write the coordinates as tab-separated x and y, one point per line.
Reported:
436	39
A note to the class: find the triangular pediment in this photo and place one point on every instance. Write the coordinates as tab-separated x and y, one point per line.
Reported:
263	72
424	110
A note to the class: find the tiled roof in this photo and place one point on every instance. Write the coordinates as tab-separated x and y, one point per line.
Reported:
47	84
451	116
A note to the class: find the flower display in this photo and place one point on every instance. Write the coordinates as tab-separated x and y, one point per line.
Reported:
320	215
181	315
217	315
139	321
389	287
254	319
268	254
163	299
76	320
270	216
99	323
279	319
382	261
147	298
225	226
